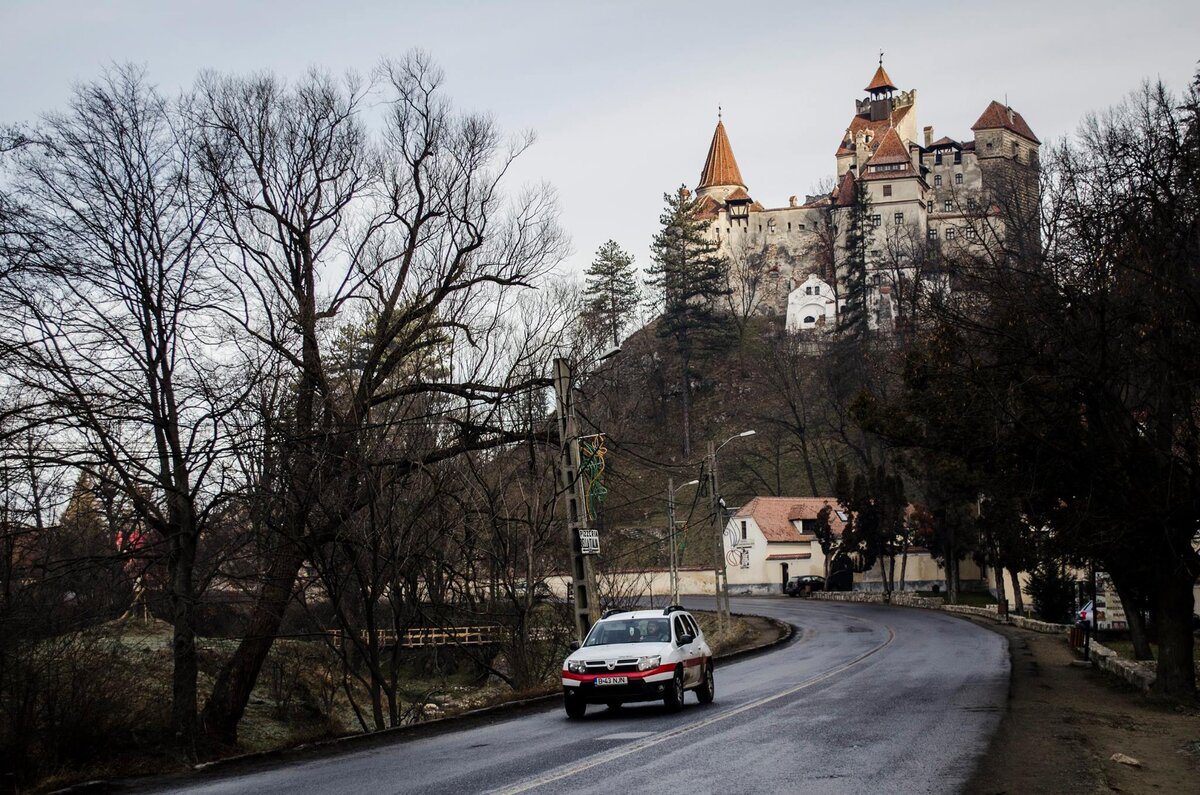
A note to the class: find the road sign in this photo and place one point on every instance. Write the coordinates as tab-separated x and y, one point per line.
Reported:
589	541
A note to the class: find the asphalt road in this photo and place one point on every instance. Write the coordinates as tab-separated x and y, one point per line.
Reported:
864	699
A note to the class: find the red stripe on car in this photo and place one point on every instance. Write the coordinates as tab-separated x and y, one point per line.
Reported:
662	669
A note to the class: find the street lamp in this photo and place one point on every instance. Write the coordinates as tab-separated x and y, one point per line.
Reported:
671	492
721	581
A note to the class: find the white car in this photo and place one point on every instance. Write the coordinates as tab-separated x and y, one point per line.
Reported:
644	655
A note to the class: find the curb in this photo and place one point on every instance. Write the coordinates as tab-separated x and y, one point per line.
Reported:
386	736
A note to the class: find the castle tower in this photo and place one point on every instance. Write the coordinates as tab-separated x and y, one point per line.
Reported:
720	177
880	88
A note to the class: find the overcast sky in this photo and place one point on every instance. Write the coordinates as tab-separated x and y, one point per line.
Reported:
623	95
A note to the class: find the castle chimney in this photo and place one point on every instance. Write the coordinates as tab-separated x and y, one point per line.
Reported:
1011	120
928	136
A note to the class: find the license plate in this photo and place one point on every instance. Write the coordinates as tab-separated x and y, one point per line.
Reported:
612	680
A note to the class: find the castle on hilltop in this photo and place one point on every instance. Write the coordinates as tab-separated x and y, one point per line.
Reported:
925	196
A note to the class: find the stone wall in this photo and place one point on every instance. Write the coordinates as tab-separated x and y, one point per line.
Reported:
1138	674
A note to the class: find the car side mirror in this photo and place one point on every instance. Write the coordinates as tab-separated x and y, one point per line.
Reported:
685	639
574	646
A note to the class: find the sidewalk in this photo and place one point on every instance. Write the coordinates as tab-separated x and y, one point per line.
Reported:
1065	722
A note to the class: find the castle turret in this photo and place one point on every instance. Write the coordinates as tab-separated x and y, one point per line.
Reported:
880	88
720	176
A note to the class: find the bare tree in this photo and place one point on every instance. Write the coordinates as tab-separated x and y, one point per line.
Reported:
111	322
413	234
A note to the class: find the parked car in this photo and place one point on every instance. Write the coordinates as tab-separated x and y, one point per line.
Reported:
804	583
643	655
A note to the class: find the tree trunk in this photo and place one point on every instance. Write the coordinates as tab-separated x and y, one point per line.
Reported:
1001	595
1176	678
686	388
1137	627
181	565
231	691
904	566
1018	597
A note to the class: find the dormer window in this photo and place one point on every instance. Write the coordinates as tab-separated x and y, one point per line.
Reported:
740	210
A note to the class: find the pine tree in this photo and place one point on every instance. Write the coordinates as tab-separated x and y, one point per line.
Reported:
692	277
613	292
853	317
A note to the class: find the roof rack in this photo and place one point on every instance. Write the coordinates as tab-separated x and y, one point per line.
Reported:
612	611
669	609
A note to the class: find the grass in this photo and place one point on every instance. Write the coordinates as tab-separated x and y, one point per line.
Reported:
967	598
1125	647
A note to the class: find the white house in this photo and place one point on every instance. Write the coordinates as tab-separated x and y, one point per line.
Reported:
770	539
811	305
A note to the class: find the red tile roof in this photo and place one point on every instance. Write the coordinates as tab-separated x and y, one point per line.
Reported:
844	195
1000	116
790	556
945	140
876	128
738	195
774	516
880	81
720	168
890	150
707	208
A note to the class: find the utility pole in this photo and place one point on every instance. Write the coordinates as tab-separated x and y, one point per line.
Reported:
582	540
671	539
673	536
720	580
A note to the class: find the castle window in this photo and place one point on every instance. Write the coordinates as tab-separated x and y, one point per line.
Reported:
876	220
929	206
816	289
933	234
789	226
971	233
957	157
950	233
808	290
958	179
948	206
887	190
937	180
937	159
898	218
876	280
809	319
971	202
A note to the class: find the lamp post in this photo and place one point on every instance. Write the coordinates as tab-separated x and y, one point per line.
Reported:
721	580
673	536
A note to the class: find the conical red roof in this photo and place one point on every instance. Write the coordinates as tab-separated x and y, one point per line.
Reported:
720	168
880	81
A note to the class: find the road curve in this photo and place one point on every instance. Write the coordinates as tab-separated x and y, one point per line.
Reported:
864	699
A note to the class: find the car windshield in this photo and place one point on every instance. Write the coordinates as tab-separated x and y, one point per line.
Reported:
630	630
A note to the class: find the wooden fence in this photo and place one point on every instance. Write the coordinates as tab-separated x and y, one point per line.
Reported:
429	636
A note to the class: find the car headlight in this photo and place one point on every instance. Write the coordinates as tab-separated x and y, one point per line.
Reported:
576	666
646	663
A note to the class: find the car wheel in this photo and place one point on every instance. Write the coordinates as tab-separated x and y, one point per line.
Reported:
576	706
674	697
708	688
